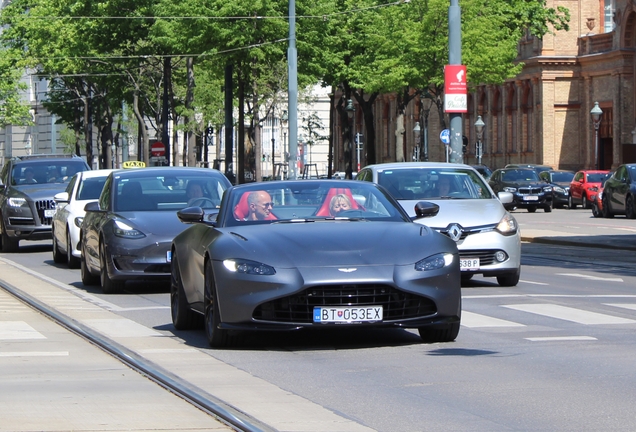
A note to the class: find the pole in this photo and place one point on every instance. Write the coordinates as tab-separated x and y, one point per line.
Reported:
229	127
596	125
455	58
358	149
292	95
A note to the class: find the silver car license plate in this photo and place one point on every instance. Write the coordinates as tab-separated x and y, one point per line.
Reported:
466	264
347	315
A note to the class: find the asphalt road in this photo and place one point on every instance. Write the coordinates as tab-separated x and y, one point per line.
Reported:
553	353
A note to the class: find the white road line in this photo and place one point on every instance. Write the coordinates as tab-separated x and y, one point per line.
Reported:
16	330
533	283
569	314
588	277
34	354
561	338
487	296
474	320
120	328
631	306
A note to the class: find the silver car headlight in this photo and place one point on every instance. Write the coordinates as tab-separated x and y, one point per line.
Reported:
248	267
560	190
510	189
434	262
17	202
126	231
547	189
507	225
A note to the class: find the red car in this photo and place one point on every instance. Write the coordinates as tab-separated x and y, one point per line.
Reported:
585	185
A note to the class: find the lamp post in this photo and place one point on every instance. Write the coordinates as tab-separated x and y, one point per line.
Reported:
416	148
350	109
273	149
596	114
479	128
285	158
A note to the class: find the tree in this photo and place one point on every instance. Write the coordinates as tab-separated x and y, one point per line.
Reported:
13	111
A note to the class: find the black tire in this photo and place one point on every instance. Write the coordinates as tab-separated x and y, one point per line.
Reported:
183	318
532	209
467	276
88	278
595	211
547	208
217	337
571	204
607	212
109	286
72	260
58	256
8	244
584	202
630	211
446	333
509	280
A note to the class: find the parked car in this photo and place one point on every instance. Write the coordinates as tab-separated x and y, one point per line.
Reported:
537	167
584	185
27	187
487	236
619	192
560	181
301	267
527	189
127	233
84	186
483	170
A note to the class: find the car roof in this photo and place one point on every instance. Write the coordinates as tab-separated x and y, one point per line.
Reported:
170	170
411	165
96	173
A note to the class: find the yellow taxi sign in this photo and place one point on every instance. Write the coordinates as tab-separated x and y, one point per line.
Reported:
134	164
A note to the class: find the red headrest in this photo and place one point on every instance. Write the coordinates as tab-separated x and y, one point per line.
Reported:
242	209
324	209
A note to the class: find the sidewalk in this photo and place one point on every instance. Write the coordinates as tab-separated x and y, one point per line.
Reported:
625	242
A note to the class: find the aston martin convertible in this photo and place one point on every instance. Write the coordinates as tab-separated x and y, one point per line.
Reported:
290	255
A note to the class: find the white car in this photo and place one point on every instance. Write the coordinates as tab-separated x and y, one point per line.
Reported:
470	213
84	187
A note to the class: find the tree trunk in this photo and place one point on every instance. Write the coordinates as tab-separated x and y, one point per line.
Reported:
190	141
144	154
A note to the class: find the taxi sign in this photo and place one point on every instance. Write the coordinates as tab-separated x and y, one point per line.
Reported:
133	164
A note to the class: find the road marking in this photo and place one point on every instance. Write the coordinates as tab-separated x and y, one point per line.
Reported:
582	276
16	330
534	283
34	354
120	327
631	306
488	296
561	338
569	314
474	320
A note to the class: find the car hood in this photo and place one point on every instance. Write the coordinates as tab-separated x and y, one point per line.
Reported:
39	191
466	212
158	223
334	244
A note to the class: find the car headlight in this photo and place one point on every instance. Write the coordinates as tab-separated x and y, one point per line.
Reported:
17	202
507	225
559	189
124	230
510	189
547	189
434	262
248	267
593	188
78	221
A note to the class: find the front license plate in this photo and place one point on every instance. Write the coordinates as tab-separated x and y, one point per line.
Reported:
530	198
347	315
49	213
466	264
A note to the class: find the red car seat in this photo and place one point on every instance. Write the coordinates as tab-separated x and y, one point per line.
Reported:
324	209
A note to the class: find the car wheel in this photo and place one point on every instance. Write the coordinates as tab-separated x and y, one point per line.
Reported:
183	318
547	208
446	333
630	211
584	202
109	286
58	256
217	337
571	202
509	280
87	277
8	244
607	213
72	260
467	276
532	209
595	210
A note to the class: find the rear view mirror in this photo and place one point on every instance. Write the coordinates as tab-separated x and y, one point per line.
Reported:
426	209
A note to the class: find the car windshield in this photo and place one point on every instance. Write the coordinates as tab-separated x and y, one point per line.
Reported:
562	177
46	172
310	201
434	183
520	175
158	191
597	177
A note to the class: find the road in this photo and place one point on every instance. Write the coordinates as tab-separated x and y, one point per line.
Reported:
553	353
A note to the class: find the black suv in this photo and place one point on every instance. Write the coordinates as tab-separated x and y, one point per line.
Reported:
27	186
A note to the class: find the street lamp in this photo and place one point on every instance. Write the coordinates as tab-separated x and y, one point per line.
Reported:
285	159
350	109
479	127
416	148
596	114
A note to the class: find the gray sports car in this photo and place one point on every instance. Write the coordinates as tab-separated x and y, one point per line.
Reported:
127	234
287	255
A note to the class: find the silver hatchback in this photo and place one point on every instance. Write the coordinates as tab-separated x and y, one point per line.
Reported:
470	213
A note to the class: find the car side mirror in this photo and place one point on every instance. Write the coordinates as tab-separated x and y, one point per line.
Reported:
61	198
426	209
197	215
92	206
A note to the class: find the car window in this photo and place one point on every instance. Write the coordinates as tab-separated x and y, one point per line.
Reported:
91	188
596	177
562	177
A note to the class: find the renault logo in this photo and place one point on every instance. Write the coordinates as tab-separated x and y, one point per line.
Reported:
455	232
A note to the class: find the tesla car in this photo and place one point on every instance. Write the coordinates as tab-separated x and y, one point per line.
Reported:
619	192
528	190
584	186
127	233
487	236
560	181
84	186
275	258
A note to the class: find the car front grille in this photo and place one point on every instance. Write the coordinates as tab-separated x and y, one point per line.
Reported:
486	256
42	205
21	221
530	190
299	307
